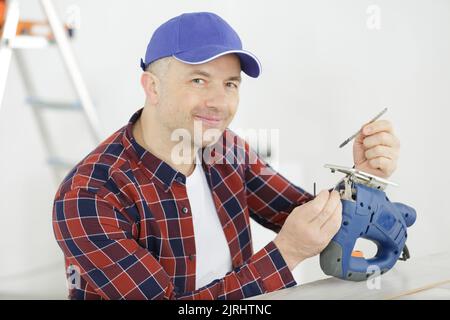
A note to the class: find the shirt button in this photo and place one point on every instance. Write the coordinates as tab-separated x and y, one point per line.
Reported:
179	179
185	210
192	257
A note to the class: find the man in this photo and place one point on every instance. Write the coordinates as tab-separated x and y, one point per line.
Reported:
136	220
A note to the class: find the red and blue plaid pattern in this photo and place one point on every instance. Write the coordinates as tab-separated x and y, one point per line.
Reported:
122	218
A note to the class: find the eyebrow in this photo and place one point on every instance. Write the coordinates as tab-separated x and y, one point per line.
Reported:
207	75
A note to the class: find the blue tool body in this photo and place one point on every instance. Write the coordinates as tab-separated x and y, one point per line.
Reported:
369	215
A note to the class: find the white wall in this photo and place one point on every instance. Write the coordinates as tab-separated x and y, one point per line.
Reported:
324	74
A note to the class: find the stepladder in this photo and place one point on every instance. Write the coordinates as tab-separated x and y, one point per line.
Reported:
17	35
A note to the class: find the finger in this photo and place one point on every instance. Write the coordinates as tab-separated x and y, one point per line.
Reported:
337	210
384	164
381	138
378	126
315	206
381	151
328	209
333	224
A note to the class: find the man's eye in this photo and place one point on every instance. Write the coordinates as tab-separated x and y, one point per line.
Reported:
232	85
198	81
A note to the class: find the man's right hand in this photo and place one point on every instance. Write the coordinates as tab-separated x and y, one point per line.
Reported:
309	228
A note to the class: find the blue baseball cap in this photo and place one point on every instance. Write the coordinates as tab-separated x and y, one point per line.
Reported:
196	38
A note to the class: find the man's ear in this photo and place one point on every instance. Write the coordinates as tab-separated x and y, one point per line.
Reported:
150	84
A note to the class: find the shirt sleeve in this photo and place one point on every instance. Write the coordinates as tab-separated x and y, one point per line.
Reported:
99	240
270	196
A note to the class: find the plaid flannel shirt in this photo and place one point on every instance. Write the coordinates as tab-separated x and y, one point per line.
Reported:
123	221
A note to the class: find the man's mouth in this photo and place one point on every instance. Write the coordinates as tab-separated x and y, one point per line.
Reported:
212	121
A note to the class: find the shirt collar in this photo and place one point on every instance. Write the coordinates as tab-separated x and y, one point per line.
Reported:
156	167
163	172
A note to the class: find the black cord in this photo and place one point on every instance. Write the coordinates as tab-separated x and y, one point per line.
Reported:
405	254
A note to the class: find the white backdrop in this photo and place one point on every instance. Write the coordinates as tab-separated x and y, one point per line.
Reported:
325	72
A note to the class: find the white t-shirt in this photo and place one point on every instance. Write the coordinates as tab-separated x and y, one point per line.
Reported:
212	251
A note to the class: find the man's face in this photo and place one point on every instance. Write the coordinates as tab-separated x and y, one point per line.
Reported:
203	96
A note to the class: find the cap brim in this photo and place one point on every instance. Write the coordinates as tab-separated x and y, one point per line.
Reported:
249	63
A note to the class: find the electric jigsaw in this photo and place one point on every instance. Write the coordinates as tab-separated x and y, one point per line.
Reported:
369	214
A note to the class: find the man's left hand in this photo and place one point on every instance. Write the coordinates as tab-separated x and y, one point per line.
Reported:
376	149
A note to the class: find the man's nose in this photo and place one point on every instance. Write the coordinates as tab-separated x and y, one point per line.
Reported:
217	97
